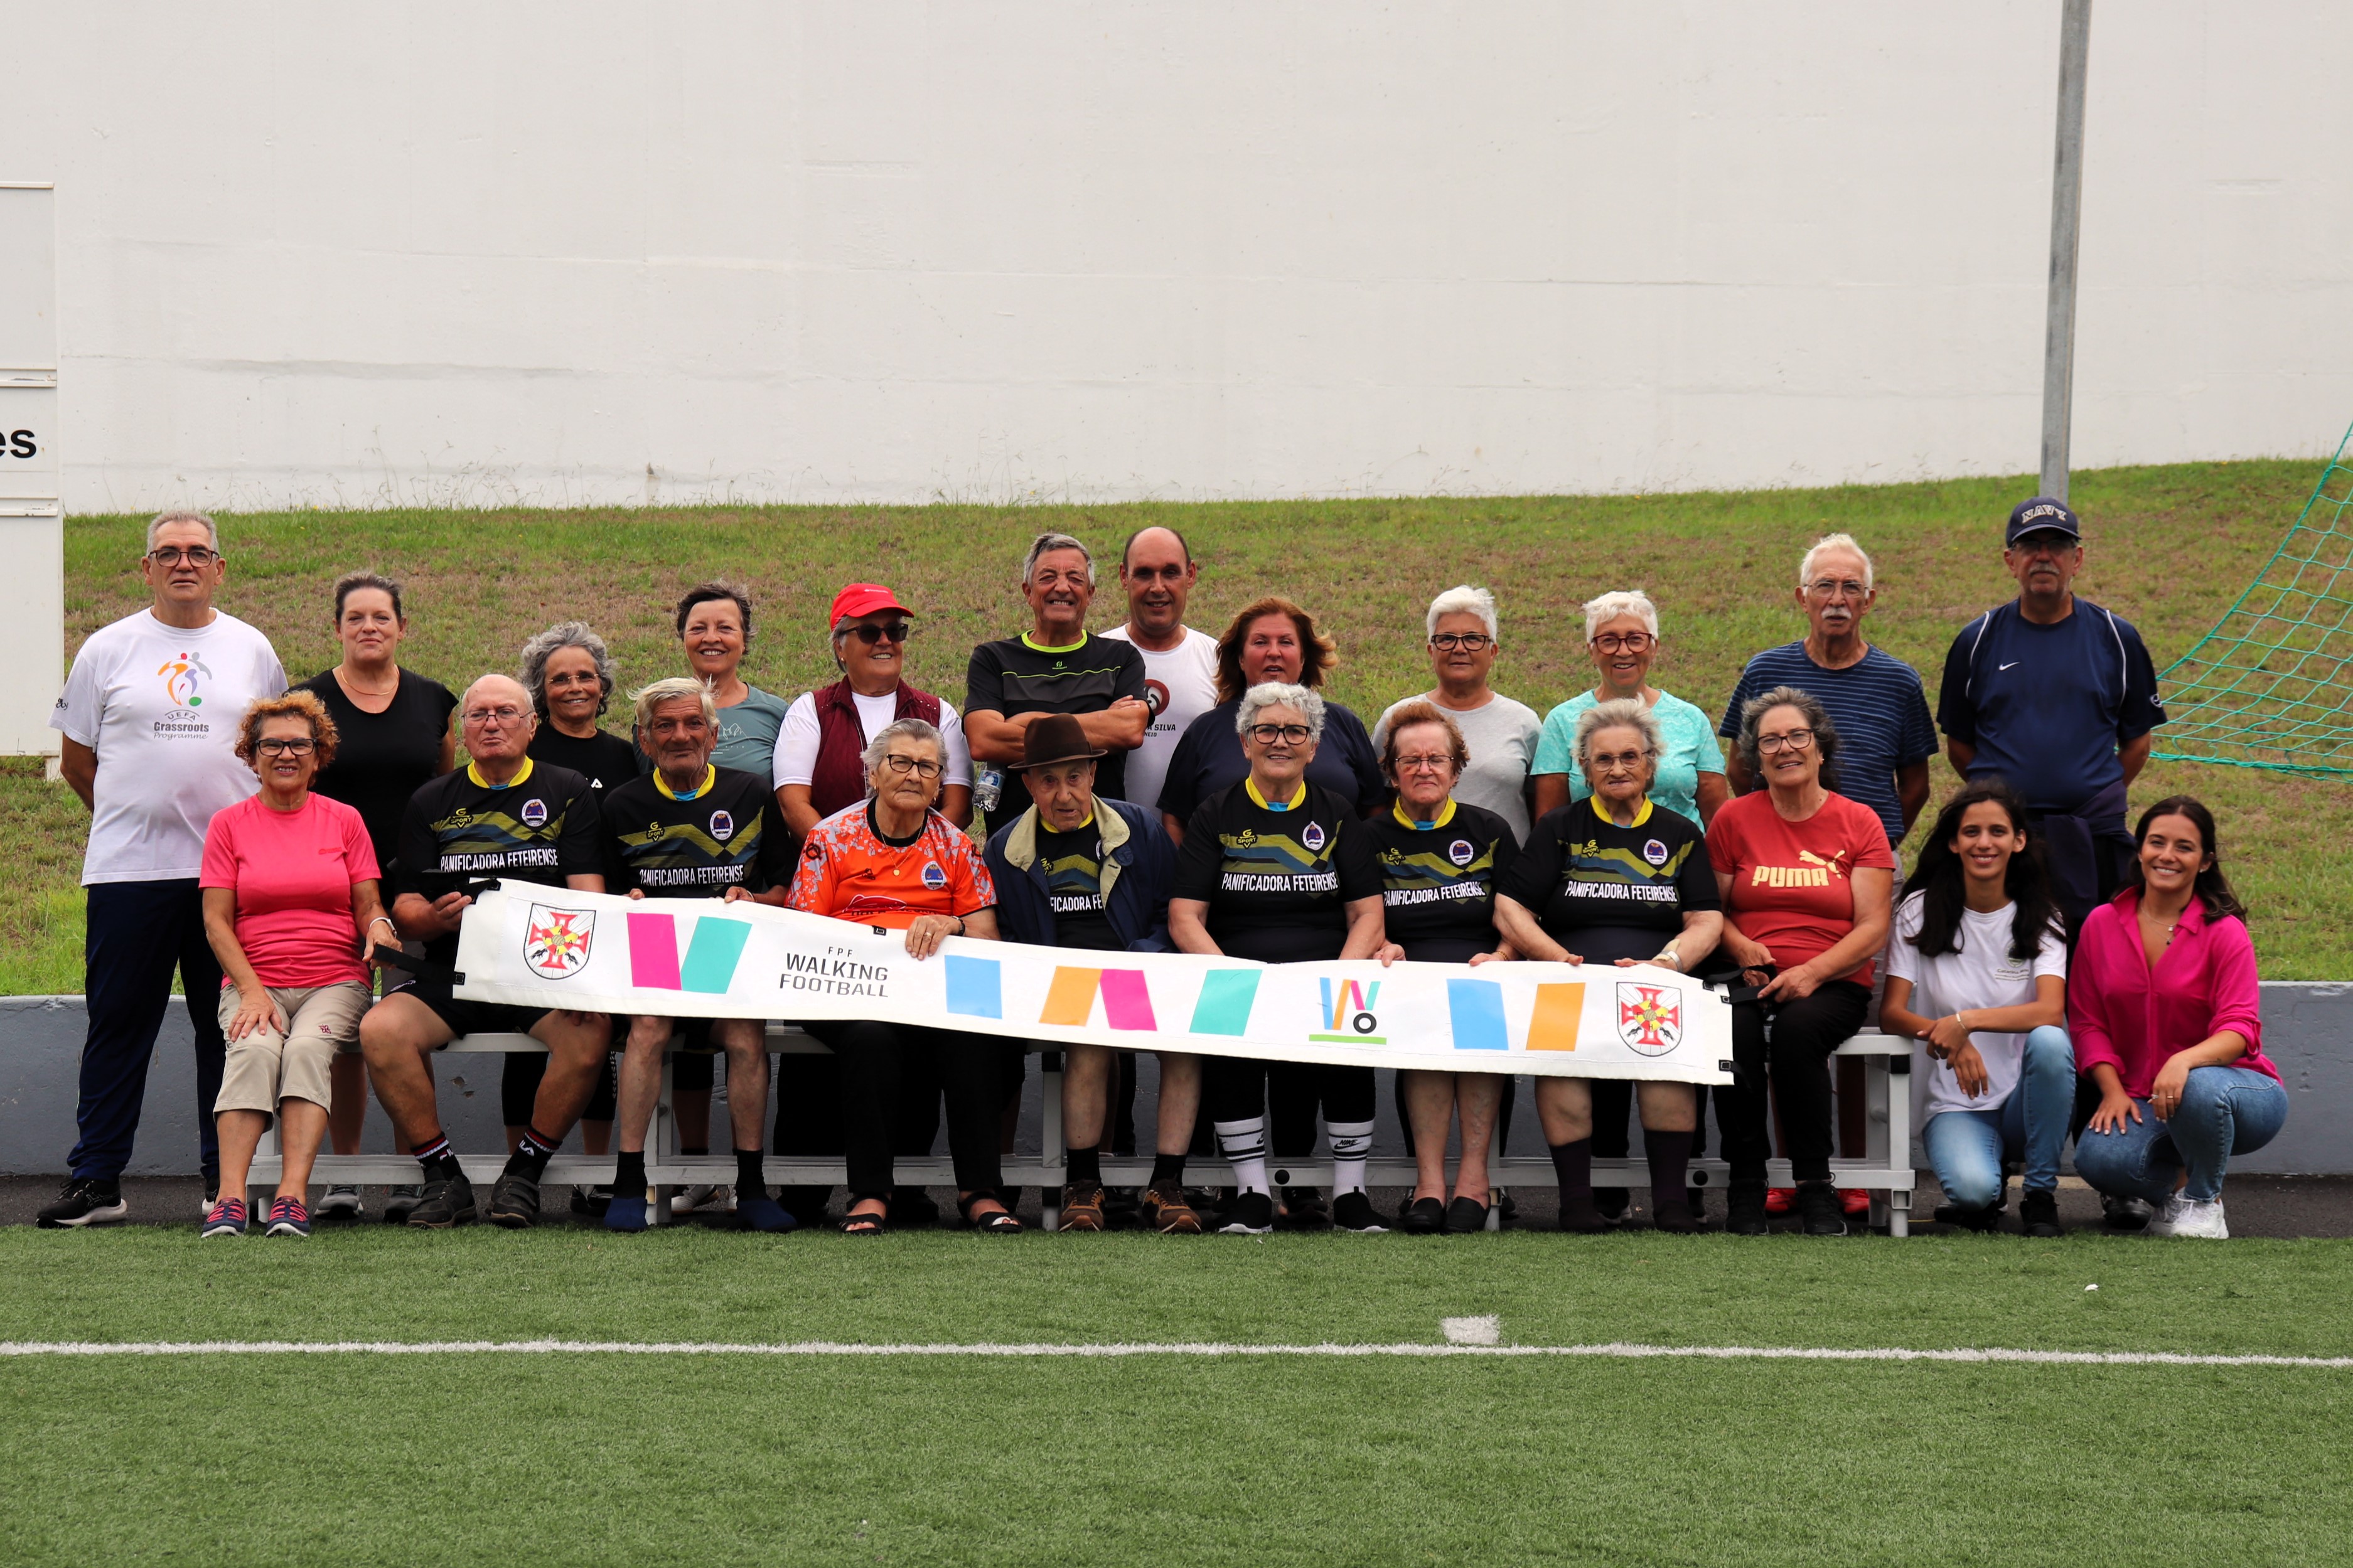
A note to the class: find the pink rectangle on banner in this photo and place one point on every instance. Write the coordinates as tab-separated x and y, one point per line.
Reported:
1126	1004
653	951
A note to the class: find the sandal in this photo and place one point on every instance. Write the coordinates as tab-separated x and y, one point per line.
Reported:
855	1223
1000	1222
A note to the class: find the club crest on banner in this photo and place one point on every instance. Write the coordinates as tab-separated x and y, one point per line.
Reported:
555	943
1650	1018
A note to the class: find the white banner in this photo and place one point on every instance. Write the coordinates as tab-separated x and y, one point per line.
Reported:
696	958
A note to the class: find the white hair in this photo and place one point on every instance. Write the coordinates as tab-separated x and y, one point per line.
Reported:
879	746
1465	601
212	530
1620	713
673	688
1633	602
1835	542
1280	694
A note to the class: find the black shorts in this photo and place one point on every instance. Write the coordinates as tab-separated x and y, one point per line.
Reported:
463	1017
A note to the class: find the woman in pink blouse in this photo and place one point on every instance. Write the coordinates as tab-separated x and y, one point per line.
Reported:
2167	1018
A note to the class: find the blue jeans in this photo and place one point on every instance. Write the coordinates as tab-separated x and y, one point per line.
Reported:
1966	1147
2224	1110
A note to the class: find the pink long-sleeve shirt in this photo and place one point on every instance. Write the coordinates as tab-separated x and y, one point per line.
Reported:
2121	1013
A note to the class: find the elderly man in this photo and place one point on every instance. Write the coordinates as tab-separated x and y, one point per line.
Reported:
1157	573
1885	736
2059	696
504	817
150	721
691	830
1055	667
1076	870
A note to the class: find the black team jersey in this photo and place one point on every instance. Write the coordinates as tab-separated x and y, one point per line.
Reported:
727	834
1607	892
1277	881
1439	879
1073	866
1017	676
458	831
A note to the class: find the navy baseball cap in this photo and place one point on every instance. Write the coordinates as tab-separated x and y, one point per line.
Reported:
2041	514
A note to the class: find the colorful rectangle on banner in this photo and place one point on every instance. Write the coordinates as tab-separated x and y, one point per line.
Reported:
1127	1001
1070	999
1224	1007
975	987
653	951
1476	1007
1551	1027
711	954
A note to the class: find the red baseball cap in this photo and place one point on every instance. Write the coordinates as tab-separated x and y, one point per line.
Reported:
860	599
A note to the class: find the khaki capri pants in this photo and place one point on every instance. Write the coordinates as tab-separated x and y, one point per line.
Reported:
267	1066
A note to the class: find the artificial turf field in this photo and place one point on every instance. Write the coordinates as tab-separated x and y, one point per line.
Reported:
596	1458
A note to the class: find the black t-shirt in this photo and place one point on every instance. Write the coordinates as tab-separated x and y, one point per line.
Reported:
1014	676
607	761
1073	866
729	834
543	827
1208	757
382	759
1438	883
1607	892
1277	882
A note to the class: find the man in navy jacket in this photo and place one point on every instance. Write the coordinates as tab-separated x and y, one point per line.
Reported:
1082	871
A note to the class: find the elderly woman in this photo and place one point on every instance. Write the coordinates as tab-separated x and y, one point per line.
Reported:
825	731
895	861
1619	880
1621	633
1278	869
290	893
1442	860
1464	642
1806	875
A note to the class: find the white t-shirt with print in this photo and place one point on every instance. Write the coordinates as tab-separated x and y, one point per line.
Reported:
1502	737
160	705
797	739
1181	685
1981	975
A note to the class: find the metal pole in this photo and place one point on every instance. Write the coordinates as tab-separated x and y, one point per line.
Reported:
2066	210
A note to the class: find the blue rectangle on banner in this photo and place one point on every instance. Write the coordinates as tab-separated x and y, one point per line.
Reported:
973	987
1476	1007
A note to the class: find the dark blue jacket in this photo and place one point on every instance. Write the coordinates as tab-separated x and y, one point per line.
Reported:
1139	870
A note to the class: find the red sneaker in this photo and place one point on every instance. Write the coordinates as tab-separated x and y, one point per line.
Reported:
1855	1201
1778	1199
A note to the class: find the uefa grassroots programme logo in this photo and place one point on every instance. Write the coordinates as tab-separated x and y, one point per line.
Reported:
555	943
1348	1012
1650	1018
184	675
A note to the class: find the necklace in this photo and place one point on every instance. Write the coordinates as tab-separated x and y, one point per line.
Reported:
342	674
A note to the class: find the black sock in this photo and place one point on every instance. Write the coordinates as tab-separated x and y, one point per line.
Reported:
629	1173
439	1165
533	1153
1572	1163
1084	1165
1169	1168
1670	1158
751	1174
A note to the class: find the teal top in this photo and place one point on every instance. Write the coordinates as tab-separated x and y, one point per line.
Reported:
1690	750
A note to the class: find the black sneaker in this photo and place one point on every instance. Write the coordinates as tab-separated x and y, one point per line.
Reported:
1303	1208
592	1200
444	1204
86	1201
1250	1213
1122	1208
1980	1220
514	1201
1614	1203
2040	1211
400	1199
1422	1217
1743	1210
1354	1211
1820	1210
1580	1216
2125	1212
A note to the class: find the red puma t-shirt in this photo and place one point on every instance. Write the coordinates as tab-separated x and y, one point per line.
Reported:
1793	882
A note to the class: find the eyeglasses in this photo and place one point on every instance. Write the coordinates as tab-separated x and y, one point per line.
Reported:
194	556
274	748
1434	763
1268	734
923	767
1623	642
1795	741
1471	642
889	631
507	715
1847	589
1610	761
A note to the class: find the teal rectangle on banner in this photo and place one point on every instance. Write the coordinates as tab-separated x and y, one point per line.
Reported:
710	955
975	987
1224	1007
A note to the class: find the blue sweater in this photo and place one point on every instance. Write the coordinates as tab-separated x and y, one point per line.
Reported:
1139	869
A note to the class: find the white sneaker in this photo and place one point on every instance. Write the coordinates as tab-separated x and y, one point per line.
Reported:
343	1202
704	1198
2161	1223
2202	1222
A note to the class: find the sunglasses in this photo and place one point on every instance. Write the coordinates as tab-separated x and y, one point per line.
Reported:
889	631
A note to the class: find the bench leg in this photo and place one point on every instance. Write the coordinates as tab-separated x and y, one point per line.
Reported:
1051	1151
661	1142
1899	1213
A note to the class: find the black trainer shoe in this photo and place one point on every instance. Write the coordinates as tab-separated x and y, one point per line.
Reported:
2041	1212
1580	1216
1614	1203
85	1201
1674	1218
1354	1211
1303	1208
1250	1213
445	1203
1980	1220
514	1201
1743	1210
1820	1212
400	1199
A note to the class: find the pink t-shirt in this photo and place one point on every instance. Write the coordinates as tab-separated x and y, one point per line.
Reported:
2134	1021
292	873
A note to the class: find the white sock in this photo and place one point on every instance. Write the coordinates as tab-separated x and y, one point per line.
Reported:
1352	1145
1244	1144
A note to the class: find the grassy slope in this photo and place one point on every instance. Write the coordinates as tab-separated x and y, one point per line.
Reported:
2170	547
597	1460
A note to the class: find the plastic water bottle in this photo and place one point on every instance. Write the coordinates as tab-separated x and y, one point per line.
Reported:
988	787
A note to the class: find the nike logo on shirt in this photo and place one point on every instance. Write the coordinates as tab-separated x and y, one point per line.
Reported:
2011	665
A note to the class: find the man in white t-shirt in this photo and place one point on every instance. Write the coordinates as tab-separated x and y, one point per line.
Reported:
150	717
1180	665
1464	642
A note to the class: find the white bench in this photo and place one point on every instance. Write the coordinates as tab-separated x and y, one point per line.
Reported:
1884	1169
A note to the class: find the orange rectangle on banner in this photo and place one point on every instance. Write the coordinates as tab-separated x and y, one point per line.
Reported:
1553	1025
1072	997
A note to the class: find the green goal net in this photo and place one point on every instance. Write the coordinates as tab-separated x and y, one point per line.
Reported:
2268	686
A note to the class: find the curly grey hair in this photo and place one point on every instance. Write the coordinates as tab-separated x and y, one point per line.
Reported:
899	729
1620	713
1278	694
554	640
1818	719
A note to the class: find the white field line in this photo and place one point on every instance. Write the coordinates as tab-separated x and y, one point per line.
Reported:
1613	1352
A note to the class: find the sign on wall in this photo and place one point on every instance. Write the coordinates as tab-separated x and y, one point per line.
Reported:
32	524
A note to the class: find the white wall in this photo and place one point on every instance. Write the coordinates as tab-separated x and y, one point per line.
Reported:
889	250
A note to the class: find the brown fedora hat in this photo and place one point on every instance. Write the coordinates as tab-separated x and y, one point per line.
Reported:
1055	738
